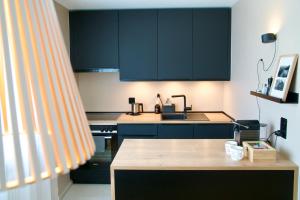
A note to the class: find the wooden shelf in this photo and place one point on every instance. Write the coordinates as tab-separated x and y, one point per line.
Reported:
292	97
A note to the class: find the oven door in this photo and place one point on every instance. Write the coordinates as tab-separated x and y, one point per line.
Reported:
105	147
97	169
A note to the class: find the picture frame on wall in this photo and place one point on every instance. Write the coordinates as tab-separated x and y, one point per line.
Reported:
283	76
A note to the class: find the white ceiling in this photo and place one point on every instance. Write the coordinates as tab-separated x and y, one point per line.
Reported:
130	4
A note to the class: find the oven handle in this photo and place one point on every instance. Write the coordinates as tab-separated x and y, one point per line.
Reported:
108	137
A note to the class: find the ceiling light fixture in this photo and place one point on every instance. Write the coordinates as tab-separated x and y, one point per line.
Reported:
43	127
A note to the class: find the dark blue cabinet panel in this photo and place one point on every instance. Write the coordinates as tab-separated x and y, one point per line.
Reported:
175	131
203	184
211	44
137	129
213	131
175	44
94	40
138	44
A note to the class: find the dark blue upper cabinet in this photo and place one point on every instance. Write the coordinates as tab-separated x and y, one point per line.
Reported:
94	40
175	44
138	44
211	44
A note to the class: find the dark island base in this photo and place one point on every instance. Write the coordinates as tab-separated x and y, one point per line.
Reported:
204	185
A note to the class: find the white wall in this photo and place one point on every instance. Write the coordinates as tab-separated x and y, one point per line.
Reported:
104	92
251	18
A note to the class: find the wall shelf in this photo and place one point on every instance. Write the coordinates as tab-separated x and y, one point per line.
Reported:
292	97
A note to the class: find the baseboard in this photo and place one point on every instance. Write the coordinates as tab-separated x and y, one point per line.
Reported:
64	192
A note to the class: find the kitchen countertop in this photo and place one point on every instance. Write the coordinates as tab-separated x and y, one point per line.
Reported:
152	118
194	154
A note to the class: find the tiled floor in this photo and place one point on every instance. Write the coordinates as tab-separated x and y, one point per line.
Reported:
88	192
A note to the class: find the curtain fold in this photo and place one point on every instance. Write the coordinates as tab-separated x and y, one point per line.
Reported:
43	126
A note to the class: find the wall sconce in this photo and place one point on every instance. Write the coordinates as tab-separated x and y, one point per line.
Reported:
43	126
268	38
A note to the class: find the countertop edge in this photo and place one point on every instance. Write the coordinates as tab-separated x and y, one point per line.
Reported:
159	121
210	168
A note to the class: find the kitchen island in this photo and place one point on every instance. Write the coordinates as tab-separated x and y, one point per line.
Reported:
196	169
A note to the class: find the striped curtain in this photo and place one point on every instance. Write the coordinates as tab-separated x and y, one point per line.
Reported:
43	127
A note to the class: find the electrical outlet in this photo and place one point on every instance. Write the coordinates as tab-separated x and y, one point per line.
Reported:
283	127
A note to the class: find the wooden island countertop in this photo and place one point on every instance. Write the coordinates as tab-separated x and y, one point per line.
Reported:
141	164
186	154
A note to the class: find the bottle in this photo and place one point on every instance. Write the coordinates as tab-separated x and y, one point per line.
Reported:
157	109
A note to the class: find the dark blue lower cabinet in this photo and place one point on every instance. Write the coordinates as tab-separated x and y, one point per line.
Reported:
136	131
92	172
203	185
213	131
175	131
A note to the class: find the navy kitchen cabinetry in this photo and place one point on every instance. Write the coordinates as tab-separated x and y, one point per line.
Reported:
175	131
94	40
136	131
211	44
213	131
175	44
150	45
138	44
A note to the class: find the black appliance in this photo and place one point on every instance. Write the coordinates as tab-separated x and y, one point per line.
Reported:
136	108
97	169
246	130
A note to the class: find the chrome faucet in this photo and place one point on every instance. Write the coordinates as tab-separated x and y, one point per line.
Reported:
185	108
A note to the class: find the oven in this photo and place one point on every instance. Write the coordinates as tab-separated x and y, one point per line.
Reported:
97	169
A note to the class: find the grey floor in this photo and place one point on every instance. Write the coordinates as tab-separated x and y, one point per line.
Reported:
88	192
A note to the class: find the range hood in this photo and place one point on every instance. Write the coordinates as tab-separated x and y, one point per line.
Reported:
104	70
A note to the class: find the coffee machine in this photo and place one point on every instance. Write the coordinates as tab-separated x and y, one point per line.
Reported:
246	130
136	108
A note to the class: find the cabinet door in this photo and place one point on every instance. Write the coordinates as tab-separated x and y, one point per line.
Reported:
175	44
175	131
94	40
213	131
136	131
138	44
211	39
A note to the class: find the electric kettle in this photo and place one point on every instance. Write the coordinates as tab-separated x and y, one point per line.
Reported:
136	108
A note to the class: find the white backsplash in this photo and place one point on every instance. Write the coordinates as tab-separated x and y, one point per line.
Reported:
104	92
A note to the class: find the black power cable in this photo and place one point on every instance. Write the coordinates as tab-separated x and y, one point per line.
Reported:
261	61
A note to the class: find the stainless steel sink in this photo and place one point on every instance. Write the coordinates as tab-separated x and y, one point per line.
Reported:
173	116
184	117
197	117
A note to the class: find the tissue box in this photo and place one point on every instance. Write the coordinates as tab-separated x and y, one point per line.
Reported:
259	151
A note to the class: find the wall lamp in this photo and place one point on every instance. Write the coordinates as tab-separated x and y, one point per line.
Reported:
268	38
